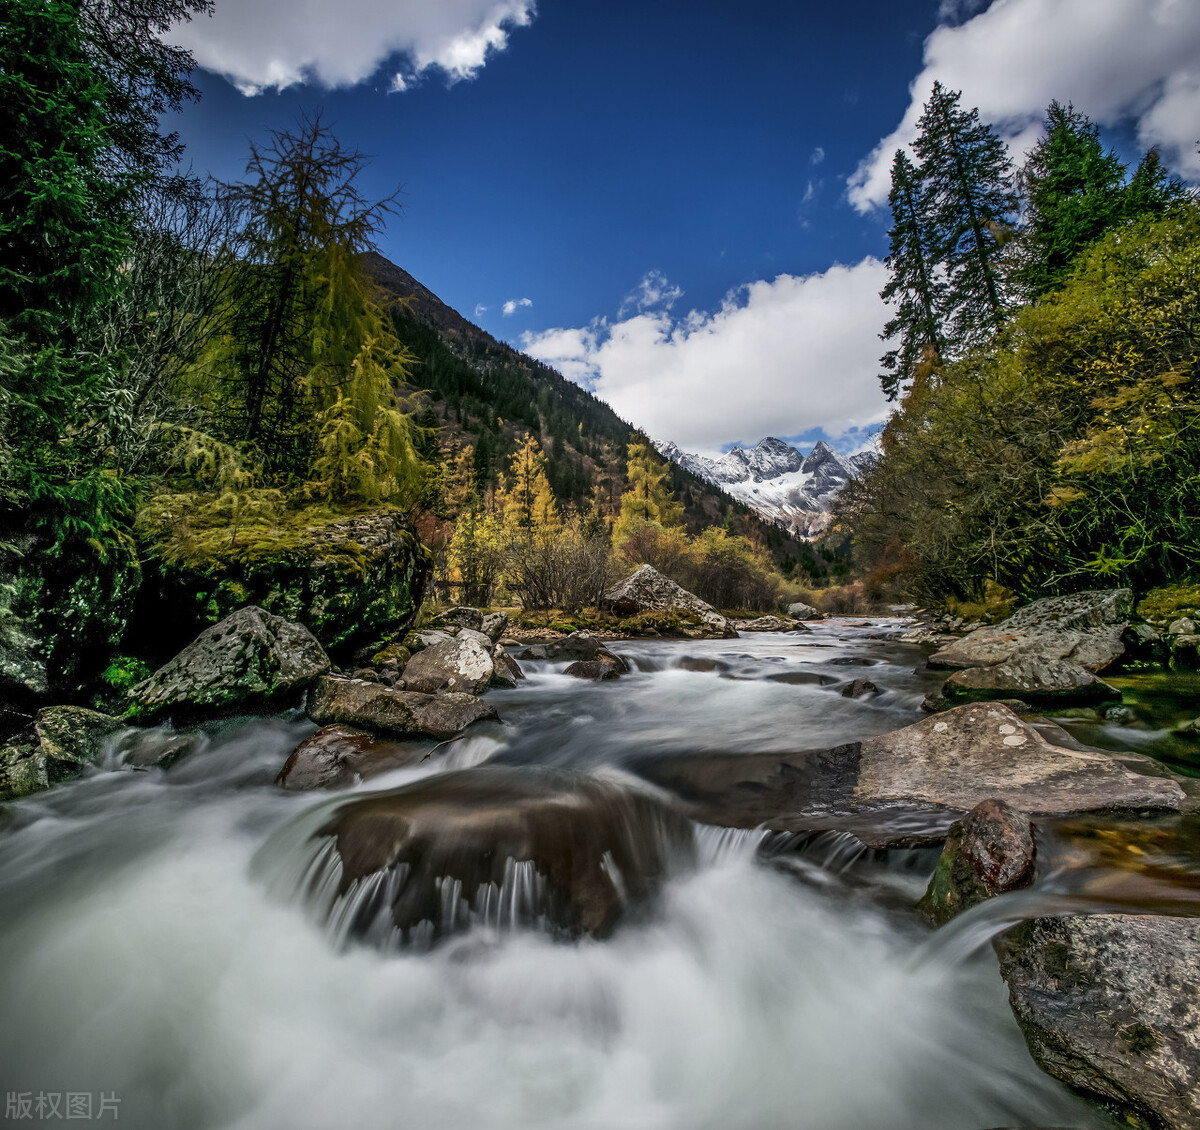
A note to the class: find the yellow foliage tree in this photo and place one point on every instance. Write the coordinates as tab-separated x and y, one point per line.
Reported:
526	500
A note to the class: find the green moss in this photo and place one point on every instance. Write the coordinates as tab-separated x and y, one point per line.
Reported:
1169	602
307	566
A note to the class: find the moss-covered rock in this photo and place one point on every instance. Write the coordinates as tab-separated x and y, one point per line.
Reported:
61	741
250	659
351	579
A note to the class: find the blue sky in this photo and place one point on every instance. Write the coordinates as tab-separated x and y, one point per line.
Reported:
679	202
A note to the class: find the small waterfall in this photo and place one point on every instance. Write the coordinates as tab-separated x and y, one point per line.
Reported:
716	846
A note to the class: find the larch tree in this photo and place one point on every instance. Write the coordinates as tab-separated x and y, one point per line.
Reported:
527	501
969	201
648	496
313	368
915	288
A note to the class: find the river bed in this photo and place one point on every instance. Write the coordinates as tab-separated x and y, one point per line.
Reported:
154	949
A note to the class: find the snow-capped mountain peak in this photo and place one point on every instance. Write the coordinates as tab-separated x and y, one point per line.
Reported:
773	478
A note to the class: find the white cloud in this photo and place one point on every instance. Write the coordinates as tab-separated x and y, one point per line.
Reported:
480	308
1117	60
817	156
655	289
258	44
513	304
777	358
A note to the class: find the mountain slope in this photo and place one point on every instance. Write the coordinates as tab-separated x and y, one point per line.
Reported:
774	479
487	394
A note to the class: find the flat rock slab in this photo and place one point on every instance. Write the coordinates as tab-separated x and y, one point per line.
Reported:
398	714
908	786
1042	682
1108	1004
505	846
1085	627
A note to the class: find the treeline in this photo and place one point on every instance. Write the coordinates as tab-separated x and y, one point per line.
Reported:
1045	339
519	544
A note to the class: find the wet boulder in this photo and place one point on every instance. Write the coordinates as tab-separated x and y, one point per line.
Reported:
576	646
494	625
461	665
988	852
1107	1004
856	688
598	670
910	785
503	846
339	755
56	747
1041	682
399	714
770	624
249	660
507	671
1084	627
461	616
1185	652
426	637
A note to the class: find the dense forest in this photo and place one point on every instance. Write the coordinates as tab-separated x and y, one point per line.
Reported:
201	381
1044	353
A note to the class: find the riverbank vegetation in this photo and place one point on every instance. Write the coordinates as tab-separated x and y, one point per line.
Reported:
1047	430
203	383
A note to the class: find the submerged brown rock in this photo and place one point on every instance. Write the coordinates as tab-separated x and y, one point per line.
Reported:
558	846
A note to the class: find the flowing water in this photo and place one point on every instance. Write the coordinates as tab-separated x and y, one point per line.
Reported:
154	948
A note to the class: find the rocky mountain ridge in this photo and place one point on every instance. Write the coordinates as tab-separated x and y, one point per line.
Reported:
778	482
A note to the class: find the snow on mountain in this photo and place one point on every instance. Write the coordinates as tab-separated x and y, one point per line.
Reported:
774	479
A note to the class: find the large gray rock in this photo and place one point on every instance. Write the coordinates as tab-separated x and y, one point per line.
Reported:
576	646
647	590
507	671
908	786
461	616
769	624
399	714
1185	652
61	741
338	755
516	846
801	611
494	625
1041	682
462	665
251	659
988	852
1085	627
1108	1004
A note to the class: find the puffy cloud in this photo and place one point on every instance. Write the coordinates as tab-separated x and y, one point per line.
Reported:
276	43
513	304
1117	60
777	358
816	156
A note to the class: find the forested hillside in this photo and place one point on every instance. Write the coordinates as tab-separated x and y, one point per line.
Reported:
1044	362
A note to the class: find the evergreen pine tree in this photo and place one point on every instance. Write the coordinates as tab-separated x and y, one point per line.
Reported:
968	199
1074	192
1151	189
915	288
